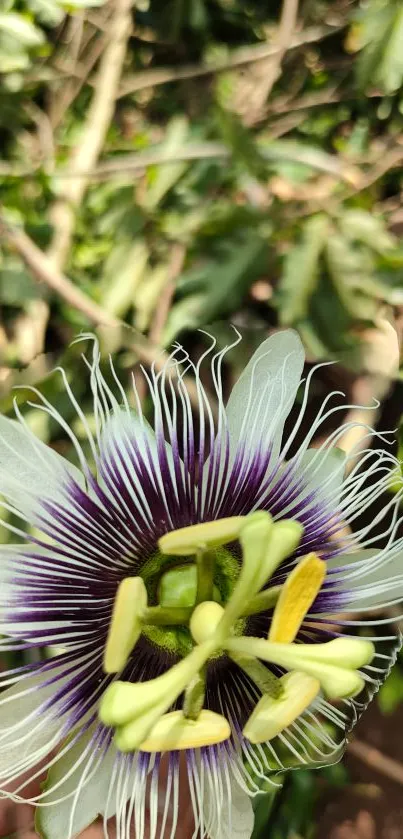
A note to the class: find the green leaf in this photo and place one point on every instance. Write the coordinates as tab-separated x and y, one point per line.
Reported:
380	33
240	141
390	695
162	178
123	271
301	271
49	12
365	227
218	286
16	285
24	32
349	270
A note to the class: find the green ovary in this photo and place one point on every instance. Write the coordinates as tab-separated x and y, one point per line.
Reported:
178	587
172	582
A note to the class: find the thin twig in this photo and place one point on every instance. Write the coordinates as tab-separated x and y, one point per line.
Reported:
100	113
376	760
159	156
123	164
78	77
266	73
380	354
243	55
45	271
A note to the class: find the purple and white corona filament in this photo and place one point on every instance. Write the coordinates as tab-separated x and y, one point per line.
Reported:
194	582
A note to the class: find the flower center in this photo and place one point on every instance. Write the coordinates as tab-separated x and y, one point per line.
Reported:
178	587
188	595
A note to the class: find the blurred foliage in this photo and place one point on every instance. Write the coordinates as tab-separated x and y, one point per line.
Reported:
295	220
281	209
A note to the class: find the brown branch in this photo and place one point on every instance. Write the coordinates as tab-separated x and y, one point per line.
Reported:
159	156
243	55
78	76
267	72
86	153
45	271
380	364
376	760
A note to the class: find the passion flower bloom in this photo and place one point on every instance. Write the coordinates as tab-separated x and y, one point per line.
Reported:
193	581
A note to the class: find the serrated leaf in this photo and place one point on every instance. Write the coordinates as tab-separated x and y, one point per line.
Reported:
185	315
331	322
349	269
301	271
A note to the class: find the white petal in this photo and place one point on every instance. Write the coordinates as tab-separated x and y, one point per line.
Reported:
81	776
29	469
324	470
368	579
263	395
24	571
132	444
25	736
232	818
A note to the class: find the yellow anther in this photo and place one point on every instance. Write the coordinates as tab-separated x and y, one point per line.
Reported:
272	716
126	624
204	620
174	732
345	652
297	595
211	534
337	681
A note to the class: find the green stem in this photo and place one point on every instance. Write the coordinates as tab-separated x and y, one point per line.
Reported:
194	696
167	616
266	681
205	564
262	601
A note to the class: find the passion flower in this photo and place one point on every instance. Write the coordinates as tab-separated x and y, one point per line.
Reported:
195	582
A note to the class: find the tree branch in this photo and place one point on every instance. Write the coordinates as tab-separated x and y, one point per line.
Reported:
86	153
376	760
243	55
265	75
45	271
